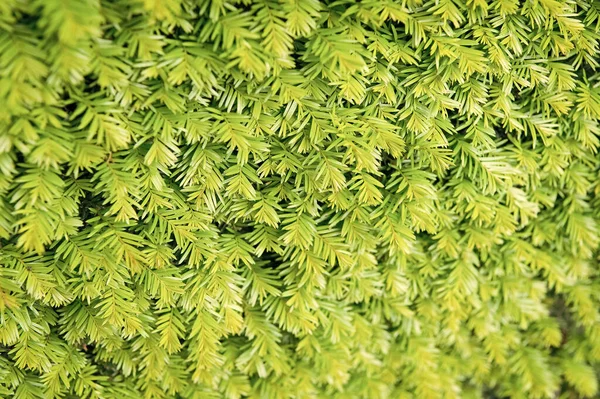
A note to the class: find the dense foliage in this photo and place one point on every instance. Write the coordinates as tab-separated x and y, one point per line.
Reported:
299	198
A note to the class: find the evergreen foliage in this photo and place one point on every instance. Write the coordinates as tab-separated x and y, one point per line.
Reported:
299	199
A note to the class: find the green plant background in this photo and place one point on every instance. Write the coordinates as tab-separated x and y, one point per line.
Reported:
299	199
